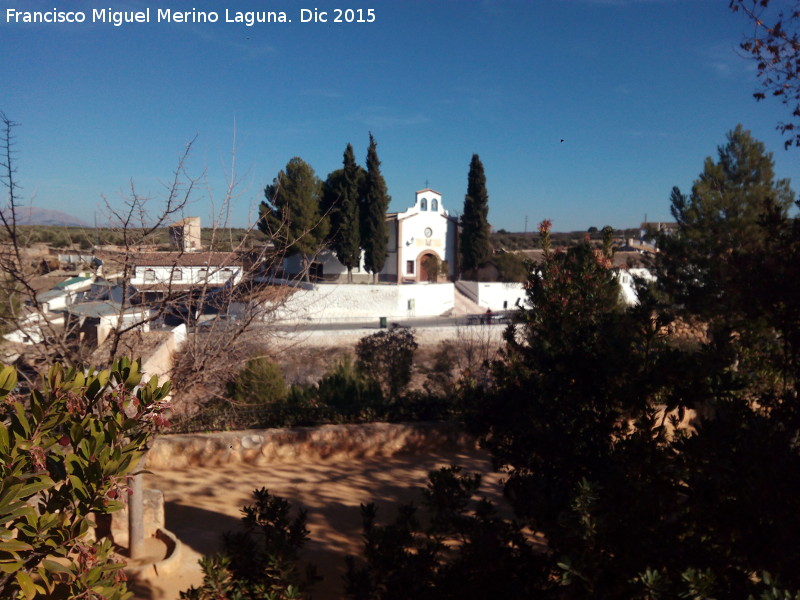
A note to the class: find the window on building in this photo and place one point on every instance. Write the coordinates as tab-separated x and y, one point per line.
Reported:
434	205
149	275
410	267
226	274
177	275
202	275
423	204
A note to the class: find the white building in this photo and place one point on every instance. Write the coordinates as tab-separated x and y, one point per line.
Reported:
159	272
627	282
93	321
64	293
425	229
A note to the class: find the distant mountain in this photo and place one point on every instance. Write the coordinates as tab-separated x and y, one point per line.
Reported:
32	215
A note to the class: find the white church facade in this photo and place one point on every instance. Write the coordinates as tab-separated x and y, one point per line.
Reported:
425	230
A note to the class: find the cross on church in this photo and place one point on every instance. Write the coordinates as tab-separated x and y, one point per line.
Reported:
426	184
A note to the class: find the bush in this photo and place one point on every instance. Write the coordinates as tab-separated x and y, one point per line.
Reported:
260	382
387	357
65	456
61	240
263	560
348	393
511	267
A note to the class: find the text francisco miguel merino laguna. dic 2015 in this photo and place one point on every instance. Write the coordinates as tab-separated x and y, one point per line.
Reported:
168	15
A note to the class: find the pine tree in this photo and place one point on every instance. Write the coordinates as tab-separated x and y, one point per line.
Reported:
474	244
719	225
342	194
374	234
291	215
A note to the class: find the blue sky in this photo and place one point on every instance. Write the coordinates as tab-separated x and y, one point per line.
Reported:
641	91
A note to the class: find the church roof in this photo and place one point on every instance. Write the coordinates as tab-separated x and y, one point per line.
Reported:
428	190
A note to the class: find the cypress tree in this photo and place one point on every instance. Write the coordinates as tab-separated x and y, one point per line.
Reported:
341	198
374	234
291	215
474	224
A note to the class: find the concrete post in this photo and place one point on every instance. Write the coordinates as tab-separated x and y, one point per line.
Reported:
136	515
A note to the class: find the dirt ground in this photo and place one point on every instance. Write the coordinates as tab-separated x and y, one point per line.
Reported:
202	503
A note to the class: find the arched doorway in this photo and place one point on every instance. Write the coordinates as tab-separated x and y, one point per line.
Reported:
428	264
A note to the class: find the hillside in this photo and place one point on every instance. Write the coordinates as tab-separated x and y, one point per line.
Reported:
33	215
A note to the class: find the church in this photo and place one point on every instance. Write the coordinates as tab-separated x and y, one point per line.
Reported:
422	246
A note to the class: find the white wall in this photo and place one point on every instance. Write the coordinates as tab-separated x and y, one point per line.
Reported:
192	275
131	317
343	302
58	300
495	295
625	278
159	362
33	330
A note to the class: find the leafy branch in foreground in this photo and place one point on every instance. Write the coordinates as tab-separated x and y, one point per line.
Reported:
65	456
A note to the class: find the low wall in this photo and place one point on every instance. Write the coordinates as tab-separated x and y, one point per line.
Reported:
425	336
495	295
159	362
343	302
305	443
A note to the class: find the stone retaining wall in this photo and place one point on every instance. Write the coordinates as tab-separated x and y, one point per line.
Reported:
305	443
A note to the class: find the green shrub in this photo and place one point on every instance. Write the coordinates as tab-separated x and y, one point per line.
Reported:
511	267
387	357
348	393
61	240
66	453
260	382
263	561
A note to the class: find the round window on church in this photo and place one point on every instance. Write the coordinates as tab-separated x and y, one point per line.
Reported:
428	232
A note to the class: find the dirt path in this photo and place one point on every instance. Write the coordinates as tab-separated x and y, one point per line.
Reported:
202	503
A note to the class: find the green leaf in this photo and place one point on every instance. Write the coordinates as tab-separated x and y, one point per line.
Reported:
22	419
36	487
26	585
11	566
94	388
4	445
55	567
77	483
8	380
19	510
14	546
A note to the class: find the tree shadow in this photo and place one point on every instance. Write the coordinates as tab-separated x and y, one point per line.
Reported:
198	528
204	502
